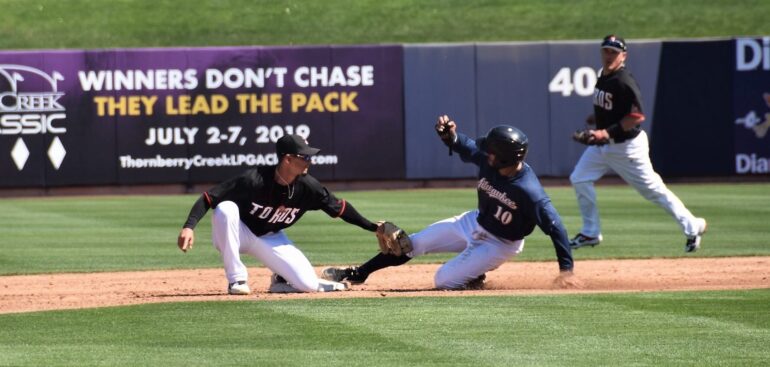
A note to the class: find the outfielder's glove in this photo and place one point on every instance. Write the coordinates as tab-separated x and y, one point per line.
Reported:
587	137
392	239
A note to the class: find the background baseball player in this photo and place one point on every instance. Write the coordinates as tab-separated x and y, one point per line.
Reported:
510	202
251	211
619	143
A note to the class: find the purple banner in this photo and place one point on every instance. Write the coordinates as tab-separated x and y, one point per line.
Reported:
752	106
197	115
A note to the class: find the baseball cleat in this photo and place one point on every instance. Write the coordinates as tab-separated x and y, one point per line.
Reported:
331	286
279	285
581	240
238	288
349	275
693	242
476	283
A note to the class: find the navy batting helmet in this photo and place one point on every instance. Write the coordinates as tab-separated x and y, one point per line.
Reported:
507	143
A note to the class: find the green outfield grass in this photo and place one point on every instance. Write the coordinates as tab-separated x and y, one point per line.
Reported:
724	328
85	234
26	24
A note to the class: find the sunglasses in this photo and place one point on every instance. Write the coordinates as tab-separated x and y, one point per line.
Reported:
614	43
305	158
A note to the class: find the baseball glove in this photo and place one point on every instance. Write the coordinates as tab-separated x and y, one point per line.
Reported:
587	137
392	239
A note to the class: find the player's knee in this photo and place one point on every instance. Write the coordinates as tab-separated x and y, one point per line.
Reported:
300	281
446	279
650	196
576	179
226	210
573	178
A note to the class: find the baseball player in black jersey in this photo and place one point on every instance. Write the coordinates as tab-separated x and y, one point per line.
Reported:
623	147
251	211
511	202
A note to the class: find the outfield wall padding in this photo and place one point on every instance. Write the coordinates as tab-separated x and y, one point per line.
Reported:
200	115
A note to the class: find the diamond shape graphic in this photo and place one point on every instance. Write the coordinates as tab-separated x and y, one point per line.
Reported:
56	152
20	153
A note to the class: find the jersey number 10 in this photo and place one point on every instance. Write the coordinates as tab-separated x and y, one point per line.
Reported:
503	216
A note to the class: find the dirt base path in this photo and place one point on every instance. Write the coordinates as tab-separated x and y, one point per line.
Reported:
69	291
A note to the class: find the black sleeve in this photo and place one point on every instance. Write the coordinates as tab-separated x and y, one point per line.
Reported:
615	131
231	188
351	215
197	212
335	208
339	208
219	193
634	93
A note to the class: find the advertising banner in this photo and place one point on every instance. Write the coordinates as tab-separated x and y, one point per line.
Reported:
197	115
751	101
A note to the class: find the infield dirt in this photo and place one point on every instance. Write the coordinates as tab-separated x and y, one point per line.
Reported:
26	293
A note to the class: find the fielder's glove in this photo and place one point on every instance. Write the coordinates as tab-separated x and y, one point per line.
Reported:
587	137
392	239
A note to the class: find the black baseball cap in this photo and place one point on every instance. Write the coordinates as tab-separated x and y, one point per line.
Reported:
614	42
294	144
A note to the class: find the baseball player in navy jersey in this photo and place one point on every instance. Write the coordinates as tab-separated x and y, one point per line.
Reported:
511	202
623	147
252	210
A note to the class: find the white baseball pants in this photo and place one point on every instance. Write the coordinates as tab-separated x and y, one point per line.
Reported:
232	238
480	251
631	161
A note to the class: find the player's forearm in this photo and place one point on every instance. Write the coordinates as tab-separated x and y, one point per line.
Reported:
631	120
197	212
558	235
627	123
466	147
550	223
563	251
352	216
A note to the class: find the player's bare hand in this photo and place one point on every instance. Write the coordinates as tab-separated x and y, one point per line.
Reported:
446	128
186	239
600	135
567	280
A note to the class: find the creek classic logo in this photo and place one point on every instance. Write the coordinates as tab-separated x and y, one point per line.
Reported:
29	105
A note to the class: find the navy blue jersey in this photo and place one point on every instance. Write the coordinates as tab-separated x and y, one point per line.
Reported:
510	207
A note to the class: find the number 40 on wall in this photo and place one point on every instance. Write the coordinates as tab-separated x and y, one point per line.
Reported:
581	81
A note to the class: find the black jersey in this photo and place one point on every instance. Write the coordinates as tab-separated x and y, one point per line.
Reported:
615	95
266	206
510	207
